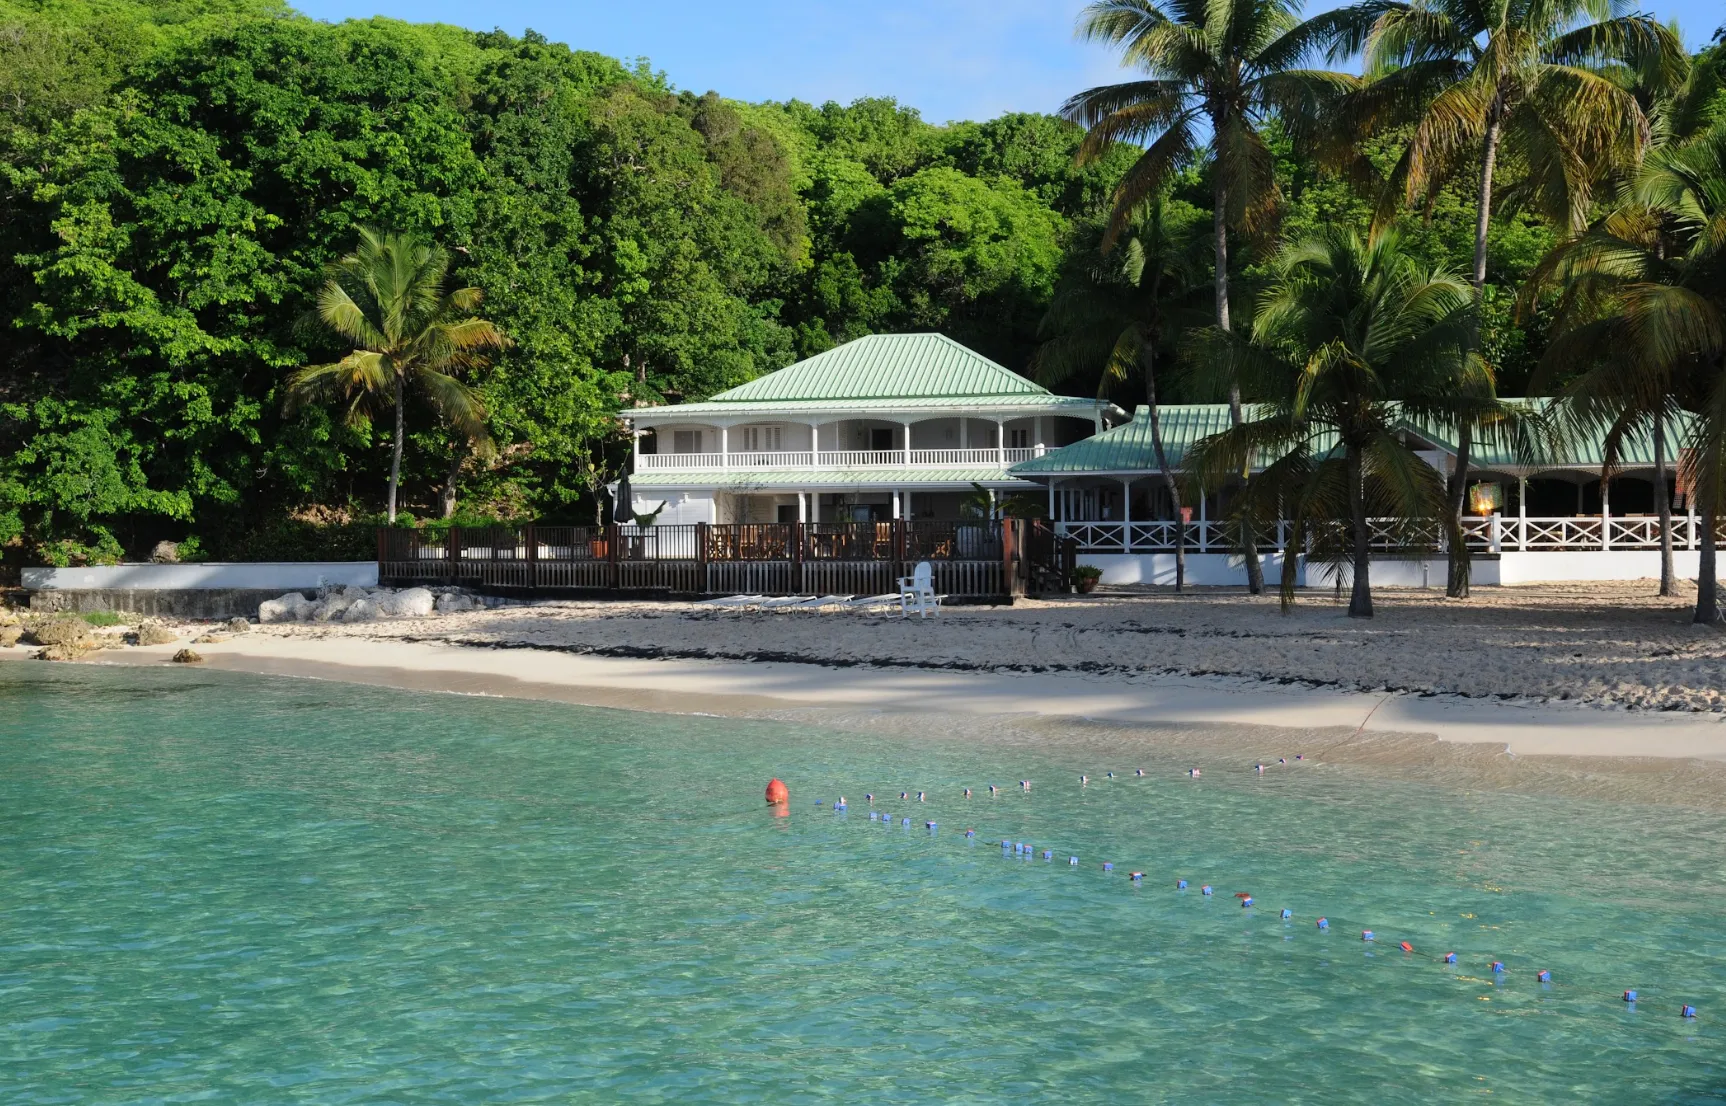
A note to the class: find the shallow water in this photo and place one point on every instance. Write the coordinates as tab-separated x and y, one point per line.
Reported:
225	888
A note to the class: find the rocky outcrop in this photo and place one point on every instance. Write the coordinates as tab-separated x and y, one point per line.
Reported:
154	633
353	605
288	608
186	656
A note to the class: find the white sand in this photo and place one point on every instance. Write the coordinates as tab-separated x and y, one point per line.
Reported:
1577	671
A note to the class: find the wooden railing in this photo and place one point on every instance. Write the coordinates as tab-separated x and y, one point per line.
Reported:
1490	534
989	456
794	558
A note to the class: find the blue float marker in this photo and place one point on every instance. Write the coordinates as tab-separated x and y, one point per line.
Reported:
1324	923
817	802
1111	775
1205	890
1137	876
1287	913
1450	958
905	821
871	799
871	815
1543	976
840	805
1366	935
1630	996
1072	862
1048	854
1006	844
904	794
1180	885
1497	968
970	833
1138	771
1107	867
1687	1012
920	797
1083	780
1246	902
931	825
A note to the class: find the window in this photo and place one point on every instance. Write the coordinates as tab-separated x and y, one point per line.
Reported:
686	441
881	439
1019	439
761	439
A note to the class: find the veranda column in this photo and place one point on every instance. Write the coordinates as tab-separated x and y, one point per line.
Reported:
896	514
802	508
1000	442
1605	513
815	443
907	427
1051	499
1037	435
1522	514
635	449
1126	514
724	446
1204	531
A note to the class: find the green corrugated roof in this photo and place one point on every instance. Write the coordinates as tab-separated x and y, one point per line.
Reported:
885	476
887	366
1071	406
1128	448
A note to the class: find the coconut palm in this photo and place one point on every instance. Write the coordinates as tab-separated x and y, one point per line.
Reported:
1117	313
1643	319
1477	80
1215	73
388	299
1351	343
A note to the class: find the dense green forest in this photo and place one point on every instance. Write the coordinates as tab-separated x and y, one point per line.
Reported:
175	178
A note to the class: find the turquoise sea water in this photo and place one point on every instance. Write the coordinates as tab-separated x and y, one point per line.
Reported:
219	888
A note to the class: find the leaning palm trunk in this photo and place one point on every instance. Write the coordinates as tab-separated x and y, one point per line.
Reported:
1707	587
396	448
1360	595
1248	542
1148	356
1456	584
1663	507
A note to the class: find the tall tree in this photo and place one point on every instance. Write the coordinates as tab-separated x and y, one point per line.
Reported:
1479	79
388	299
1644	316
1214	74
1352	341
1116	314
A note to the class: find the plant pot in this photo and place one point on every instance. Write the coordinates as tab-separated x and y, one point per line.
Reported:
1086	584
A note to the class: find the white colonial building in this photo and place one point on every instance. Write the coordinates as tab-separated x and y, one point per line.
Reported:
884	427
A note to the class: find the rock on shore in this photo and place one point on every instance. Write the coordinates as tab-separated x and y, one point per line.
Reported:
349	605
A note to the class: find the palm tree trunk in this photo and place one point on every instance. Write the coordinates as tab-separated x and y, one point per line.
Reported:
1663	506
1360	597
449	487
1220	225
1707	586
396	451
1148	358
1456	585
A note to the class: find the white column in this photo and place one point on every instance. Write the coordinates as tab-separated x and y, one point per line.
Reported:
907	427
896	513
815	443
635	449
1097	418
1522	513
1204	531
1605	513
991	502
724	446
1037	434
802	509
1126	514
1051	499
1000	442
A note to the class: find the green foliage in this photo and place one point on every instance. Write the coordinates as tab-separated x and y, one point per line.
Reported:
101	618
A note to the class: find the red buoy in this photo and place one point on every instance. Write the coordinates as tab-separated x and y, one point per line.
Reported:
776	792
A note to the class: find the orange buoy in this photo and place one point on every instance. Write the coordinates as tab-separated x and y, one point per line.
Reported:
776	792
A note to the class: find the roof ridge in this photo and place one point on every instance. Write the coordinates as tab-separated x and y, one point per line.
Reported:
910	366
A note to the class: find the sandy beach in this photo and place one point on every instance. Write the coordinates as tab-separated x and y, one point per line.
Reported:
1586	671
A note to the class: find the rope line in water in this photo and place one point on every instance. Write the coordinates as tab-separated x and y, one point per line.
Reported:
1496	973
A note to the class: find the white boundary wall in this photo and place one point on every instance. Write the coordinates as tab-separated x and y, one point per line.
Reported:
1225	569
261	575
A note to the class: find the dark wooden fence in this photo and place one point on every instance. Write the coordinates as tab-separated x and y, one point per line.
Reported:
787	558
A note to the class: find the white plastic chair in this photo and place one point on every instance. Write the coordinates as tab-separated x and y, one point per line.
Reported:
917	592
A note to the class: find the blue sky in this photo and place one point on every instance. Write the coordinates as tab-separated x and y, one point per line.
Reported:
950	59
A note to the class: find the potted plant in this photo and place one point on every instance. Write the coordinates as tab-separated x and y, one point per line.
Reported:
1085	578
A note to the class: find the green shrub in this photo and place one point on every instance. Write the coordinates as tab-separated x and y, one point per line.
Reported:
1087	572
101	618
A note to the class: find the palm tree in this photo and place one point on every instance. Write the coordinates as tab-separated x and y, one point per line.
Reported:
388	299
1121	310
1215	74
1351	343
1480	79
1643	316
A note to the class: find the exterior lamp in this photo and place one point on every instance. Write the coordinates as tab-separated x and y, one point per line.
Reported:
1485	499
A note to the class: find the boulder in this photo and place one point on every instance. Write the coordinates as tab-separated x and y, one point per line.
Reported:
9	636
211	638
154	633
413	603
238	625
62	652
165	553
62	629
186	656
362	610
451	602
292	607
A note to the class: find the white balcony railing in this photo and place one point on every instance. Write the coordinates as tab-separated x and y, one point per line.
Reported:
1493	534
836	458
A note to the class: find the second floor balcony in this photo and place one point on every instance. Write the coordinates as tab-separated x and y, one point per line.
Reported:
987	457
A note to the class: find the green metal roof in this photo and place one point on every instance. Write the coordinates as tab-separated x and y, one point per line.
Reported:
884	476
1128	447
1070	406
887	366
882	371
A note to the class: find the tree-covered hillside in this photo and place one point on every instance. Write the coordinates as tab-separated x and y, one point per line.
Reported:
175	178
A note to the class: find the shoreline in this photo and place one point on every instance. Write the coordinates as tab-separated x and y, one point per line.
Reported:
771	687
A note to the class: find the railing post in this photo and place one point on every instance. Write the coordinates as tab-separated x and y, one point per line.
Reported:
1007	557
532	539
614	554
452	555
1495	533
381	549
701	555
794	539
